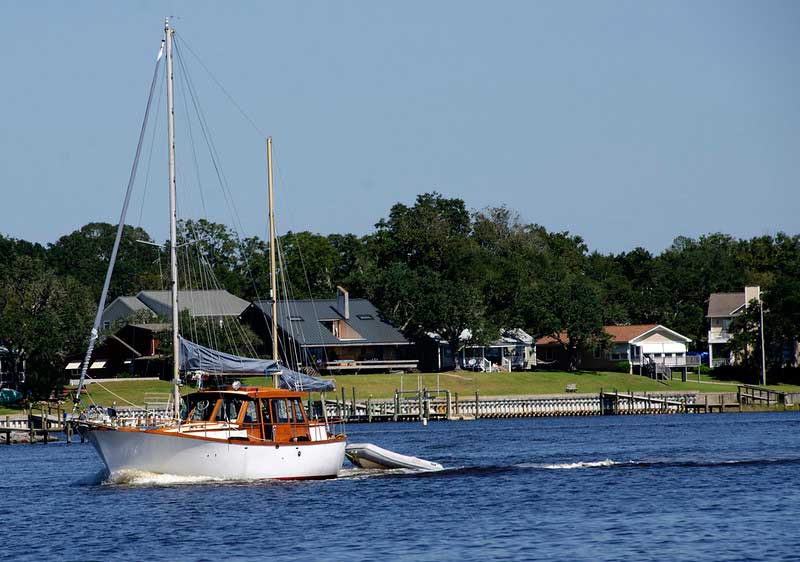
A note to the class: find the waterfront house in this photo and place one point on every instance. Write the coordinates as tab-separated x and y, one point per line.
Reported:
641	348
722	309
133	350
513	350
333	335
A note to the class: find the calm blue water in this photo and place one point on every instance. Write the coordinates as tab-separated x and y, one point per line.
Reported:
701	487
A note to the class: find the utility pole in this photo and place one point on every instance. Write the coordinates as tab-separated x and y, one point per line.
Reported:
763	349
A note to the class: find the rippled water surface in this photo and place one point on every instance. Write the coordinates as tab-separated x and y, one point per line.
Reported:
699	487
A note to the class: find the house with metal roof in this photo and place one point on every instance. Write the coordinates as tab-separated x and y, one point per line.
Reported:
646	349
334	335
513	350
212	303
722	309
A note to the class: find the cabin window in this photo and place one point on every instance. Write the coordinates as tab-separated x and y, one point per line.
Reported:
265	411
200	408
280	413
229	409
364	316
299	412
251	414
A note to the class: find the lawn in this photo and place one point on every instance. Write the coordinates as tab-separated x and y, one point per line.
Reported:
465	383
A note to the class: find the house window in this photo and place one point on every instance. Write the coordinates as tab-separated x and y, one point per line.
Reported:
364	316
106	325
295	318
332	326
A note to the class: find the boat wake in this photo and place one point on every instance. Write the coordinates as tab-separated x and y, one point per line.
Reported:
607	464
363	473
656	464
144	478
572	465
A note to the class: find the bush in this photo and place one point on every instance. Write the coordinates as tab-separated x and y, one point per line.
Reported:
752	375
736	373
621	367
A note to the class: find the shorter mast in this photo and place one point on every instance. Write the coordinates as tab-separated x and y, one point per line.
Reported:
272	269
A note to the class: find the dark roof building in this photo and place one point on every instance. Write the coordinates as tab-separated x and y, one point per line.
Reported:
334	334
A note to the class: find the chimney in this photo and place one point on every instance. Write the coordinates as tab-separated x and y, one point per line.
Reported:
752	293
343	302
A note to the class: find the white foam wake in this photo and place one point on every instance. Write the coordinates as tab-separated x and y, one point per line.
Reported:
587	464
144	478
359	473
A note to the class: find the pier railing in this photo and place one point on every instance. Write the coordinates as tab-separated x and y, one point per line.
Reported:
425	404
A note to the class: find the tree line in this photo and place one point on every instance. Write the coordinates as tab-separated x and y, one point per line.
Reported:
431	267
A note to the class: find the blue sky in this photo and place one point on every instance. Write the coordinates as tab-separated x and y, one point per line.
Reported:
628	123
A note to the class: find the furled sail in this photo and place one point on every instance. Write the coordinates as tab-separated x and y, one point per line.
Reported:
195	357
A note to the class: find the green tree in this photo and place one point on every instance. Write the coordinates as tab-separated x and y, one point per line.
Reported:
209	256
568	309
428	273
84	255
43	319
310	263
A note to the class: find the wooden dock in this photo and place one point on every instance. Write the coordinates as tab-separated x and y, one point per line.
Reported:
38	424
442	405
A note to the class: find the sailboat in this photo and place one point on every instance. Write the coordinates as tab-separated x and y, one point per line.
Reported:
231	433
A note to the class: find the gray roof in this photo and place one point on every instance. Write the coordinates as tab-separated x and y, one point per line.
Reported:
200	303
306	329
133	303
721	305
122	307
154	326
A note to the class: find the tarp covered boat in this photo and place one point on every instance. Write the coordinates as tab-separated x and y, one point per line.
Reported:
9	396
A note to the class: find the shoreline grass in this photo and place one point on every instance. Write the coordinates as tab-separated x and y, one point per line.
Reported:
465	383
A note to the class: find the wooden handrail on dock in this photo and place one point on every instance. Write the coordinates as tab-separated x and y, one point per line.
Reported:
750	394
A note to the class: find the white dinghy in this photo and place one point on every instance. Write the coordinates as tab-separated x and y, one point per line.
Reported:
367	455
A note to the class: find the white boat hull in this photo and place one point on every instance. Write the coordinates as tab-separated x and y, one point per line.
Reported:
161	453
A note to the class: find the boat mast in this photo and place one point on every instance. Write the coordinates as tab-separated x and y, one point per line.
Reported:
173	229
272	277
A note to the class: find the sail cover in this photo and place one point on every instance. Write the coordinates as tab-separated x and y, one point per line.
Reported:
195	357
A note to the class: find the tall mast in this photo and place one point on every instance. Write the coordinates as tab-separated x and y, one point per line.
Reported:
272	278
173	229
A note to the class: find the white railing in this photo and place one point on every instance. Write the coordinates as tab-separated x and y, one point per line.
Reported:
667	361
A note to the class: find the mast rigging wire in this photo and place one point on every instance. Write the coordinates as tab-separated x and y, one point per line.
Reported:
120	227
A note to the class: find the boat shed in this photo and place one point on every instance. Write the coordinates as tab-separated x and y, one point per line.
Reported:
208	303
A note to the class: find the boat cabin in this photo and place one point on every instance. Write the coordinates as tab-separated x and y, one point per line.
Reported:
260	415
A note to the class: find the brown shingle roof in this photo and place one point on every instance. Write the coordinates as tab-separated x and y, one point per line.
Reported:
624	334
619	334
723	304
